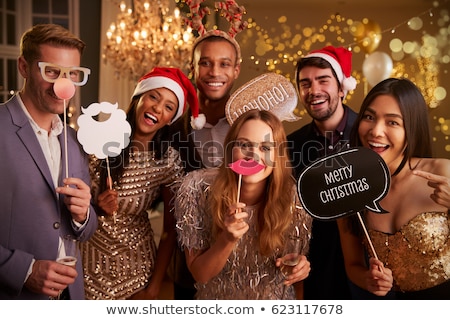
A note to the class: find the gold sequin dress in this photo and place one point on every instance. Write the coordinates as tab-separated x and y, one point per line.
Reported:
119	259
247	274
418	254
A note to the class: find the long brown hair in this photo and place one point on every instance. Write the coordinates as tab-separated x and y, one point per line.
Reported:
274	216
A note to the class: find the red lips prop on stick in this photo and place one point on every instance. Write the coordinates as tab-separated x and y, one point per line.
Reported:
246	168
64	89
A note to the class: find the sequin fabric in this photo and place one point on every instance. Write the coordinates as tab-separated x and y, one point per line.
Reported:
419	253
247	274
119	259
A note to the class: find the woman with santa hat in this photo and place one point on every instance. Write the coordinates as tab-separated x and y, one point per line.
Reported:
121	260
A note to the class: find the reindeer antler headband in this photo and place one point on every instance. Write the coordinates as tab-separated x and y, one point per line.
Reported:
230	10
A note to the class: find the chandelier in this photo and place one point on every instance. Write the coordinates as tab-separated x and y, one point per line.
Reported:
146	35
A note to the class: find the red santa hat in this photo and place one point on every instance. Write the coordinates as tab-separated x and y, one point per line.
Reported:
341	62
174	80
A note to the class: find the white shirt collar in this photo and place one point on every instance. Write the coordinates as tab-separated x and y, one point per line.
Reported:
57	125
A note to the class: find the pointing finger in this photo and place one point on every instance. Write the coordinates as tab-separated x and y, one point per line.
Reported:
429	176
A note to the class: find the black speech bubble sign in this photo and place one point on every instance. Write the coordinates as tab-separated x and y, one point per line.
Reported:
344	183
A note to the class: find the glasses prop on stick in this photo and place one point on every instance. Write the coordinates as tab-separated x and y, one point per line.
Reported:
64	80
105	138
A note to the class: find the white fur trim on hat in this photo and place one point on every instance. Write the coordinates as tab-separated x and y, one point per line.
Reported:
349	84
199	122
336	66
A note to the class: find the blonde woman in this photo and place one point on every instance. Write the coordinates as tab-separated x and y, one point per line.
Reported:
233	249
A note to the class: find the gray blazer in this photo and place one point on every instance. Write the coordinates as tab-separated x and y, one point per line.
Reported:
32	218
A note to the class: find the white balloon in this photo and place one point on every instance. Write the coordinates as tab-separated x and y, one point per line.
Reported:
377	67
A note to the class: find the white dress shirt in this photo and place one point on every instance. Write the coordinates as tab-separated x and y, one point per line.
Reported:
209	142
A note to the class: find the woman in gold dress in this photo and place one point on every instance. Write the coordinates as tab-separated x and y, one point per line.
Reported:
121	260
412	240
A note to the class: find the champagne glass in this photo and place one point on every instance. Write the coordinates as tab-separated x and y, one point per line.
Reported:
290	256
67	254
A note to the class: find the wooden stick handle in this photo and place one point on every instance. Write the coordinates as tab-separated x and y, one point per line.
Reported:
109	173
239	190
110	184
367	235
66	155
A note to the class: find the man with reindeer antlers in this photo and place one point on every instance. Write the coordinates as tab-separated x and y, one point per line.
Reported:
216	58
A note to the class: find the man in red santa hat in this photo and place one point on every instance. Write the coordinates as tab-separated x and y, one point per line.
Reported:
323	79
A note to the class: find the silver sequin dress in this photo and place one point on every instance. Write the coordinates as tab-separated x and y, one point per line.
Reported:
119	259
247	274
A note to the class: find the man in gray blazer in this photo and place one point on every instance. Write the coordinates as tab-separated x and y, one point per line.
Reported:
44	195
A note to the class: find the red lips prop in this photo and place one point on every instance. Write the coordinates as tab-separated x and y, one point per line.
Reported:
246	167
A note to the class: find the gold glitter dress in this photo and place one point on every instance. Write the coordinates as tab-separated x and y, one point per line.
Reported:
247	274
119	259
418	254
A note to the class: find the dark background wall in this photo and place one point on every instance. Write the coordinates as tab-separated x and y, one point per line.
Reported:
90	24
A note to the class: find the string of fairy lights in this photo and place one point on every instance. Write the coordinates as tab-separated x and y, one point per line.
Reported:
288	46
